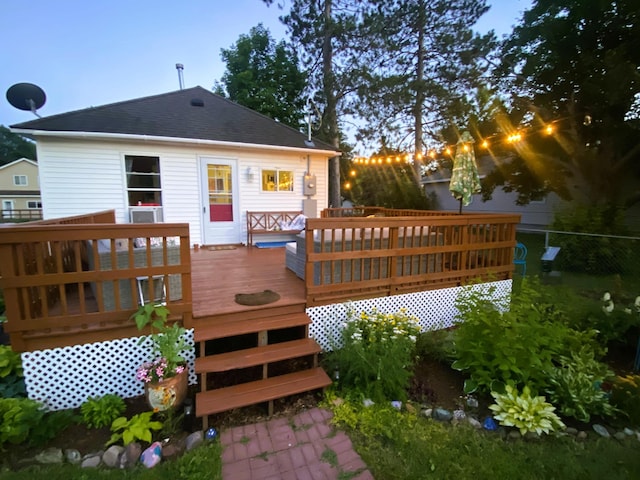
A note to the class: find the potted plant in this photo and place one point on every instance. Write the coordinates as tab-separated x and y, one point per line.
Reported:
165	377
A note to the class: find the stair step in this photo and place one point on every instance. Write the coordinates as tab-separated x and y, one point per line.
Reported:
223	329
250	357
228	398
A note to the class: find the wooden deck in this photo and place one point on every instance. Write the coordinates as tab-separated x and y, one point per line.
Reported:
218	275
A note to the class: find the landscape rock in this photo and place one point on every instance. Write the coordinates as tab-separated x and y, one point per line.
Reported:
474	422
628	431
514	435
427	412
620	436
490	424
73	456
582	435
91	460
472	402
442	415
152	455
194	440
111	458
50	456
571	431
600	430
172	449
130	456
410	408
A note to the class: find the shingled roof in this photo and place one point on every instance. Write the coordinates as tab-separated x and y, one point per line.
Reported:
194	113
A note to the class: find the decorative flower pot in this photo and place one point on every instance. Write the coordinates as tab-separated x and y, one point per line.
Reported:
167	393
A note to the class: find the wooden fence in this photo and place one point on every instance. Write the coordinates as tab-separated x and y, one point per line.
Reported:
20	214
73	281
355	257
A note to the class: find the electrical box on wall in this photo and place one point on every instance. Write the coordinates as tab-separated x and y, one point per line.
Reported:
309	185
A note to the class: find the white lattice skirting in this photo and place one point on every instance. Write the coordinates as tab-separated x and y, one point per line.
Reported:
435	309
63	378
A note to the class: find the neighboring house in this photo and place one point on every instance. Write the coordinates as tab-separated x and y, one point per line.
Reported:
20	189
185	156
536	214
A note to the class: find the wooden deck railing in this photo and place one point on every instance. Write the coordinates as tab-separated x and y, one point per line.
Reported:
20	214
380	211
354	257
66	282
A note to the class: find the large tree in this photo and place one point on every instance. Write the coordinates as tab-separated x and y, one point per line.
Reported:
14	146
264	76
324	30
418	69
574	65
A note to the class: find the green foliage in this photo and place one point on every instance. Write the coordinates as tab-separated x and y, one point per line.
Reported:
590	96
25	420
19	416
168	340
376	355
264	76
12	386
202	463
625	396
10	362
518	345
13	147
400	188
437	344
136	428
525	412
100	412
592	254
576	386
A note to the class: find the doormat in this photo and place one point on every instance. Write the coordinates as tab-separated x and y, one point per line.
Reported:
221	247
270	244
260	298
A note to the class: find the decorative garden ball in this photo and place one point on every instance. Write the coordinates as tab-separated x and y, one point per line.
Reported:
211	434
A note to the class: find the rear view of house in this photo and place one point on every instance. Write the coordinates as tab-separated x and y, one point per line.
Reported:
184	156
20	191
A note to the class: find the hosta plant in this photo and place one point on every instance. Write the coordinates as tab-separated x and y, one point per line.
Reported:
576	386
524	411
102	411
138	427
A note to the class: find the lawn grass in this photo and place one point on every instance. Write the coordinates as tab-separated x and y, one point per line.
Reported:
202	463
404	446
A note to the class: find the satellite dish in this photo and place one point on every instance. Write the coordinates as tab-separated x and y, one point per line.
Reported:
26	96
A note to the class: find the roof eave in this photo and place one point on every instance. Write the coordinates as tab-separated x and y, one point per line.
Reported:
152	138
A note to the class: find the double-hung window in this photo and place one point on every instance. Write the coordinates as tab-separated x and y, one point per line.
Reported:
143	180
277	181
20	180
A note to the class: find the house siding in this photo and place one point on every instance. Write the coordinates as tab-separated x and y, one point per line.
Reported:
534	214
79	177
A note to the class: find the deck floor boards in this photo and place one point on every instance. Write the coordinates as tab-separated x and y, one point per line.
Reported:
218	275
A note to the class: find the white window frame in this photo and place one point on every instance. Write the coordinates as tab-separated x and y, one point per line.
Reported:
18	180
143	194
277	172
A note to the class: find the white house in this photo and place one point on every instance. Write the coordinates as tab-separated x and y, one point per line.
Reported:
184	156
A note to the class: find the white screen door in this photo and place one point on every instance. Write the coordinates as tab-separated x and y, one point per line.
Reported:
221	215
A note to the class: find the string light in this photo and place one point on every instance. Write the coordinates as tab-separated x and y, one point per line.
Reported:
448	150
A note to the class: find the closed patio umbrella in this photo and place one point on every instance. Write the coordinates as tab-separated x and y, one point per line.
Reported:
465	180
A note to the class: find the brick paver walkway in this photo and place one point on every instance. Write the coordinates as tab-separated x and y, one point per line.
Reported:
304	447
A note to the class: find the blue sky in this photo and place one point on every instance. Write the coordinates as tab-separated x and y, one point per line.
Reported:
85	53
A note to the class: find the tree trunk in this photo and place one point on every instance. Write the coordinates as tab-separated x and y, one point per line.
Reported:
330	113
417	162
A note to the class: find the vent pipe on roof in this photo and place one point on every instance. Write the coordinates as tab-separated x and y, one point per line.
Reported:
180	68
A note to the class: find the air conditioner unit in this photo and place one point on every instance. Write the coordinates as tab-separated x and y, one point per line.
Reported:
145	214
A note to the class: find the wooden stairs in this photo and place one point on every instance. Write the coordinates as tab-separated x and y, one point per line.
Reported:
265	354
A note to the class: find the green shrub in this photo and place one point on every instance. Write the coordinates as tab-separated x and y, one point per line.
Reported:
525	412
625	396
498	342
576	386
436	344
138	427
19	416
10	362
376	354
102	411
590	254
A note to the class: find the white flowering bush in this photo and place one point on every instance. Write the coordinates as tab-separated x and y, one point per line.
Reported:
377	354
